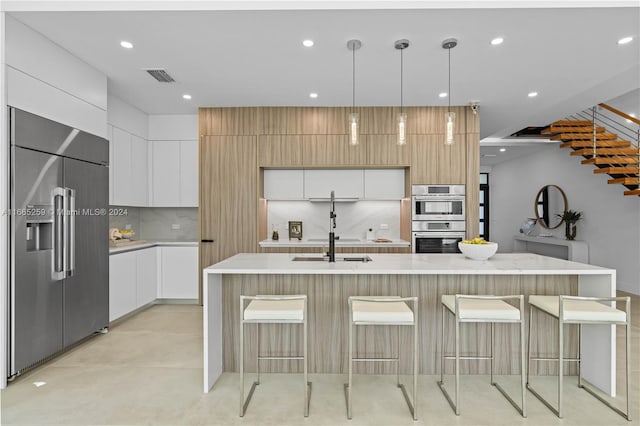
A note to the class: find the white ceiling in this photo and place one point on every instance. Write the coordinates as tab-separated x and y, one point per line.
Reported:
251	58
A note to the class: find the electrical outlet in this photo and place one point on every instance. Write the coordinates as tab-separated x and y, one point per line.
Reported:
127	226
175	226
384	226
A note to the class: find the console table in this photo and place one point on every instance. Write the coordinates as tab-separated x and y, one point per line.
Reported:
573	250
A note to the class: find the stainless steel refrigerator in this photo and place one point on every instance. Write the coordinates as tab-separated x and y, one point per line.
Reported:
59	288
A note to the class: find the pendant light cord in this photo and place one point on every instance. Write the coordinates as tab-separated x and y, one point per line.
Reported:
401	77
449	107
354	78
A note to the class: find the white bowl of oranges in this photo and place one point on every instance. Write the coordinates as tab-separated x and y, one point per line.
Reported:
478	248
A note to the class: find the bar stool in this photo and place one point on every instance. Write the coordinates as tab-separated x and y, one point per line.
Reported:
579	310
384	310
482	309
272	310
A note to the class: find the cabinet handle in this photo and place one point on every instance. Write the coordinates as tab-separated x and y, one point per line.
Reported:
207	241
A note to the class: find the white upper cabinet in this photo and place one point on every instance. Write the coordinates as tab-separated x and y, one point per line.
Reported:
174	173
127	169
345	182
139	171
165	172
357	184
189	173
120	167
281	184
384	184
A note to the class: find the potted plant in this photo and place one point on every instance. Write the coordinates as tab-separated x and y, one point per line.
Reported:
570	218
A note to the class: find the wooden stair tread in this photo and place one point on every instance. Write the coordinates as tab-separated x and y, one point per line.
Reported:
599	144
572	123
632	192
569	129
610	160
625	181
583	136
606	151
617	170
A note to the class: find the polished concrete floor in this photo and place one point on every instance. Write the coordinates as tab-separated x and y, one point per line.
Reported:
148	371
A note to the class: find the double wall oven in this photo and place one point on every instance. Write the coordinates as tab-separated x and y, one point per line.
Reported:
438	218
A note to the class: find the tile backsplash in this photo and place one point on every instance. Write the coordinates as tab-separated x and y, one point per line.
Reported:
352	221
157	223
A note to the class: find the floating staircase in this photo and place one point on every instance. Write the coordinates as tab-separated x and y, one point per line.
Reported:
594	140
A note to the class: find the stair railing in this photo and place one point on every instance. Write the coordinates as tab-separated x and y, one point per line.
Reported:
614	121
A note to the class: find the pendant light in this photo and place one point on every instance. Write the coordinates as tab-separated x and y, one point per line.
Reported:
354	127
402	117
450	119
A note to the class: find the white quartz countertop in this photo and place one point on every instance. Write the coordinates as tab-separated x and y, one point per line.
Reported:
347	242
406	264
148	244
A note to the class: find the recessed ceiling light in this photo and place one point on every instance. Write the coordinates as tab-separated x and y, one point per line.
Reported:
307	43
186	96
443	95
126	44
503	149
496	41
625	40
313	95
532	94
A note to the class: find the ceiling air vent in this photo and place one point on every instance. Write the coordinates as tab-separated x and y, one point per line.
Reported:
160	74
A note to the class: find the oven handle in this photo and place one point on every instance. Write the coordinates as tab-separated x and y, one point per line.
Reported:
439	235
438	198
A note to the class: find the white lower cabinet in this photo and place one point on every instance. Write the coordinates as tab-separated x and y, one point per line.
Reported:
147	276
179	273
122	284
139	277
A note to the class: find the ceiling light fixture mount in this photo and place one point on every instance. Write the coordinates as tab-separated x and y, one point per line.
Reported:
402	117
308	43
449	44
354	125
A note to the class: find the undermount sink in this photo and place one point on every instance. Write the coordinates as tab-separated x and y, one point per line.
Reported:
363	259
339	240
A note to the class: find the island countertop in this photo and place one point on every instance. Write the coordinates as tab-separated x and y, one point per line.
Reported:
404	264
426	276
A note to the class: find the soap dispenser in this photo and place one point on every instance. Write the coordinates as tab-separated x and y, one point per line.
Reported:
370	234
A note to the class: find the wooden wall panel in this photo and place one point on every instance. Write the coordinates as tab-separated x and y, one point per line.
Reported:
280	151
314	121
451	160
281	121
331	151
382	150
209	120
378	120
424	157
238	121
338	120
473	184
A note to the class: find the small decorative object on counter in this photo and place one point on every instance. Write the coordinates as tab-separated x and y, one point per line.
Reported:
477	248
528	226
295	230
370	235
570	218
274	235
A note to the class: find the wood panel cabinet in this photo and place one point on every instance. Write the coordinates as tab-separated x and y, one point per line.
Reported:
434	162
280	150
228	196
331	151
382	150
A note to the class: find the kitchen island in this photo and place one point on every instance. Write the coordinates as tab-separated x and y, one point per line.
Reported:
427	276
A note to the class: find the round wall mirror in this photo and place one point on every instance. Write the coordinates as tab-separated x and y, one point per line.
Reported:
550	201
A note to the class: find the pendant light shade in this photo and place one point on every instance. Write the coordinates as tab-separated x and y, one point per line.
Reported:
450	117
402	117
354	125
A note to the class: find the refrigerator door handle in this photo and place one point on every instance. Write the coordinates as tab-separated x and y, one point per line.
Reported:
71	230
58	234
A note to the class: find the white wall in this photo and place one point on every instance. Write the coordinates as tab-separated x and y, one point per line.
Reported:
611	221
4	206
127	117
178	127
47	80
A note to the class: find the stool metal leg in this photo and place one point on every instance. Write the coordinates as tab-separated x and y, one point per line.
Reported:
350	384
457	337
491	351
241	361
523	378
307	384
258	353
560	363
579	355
